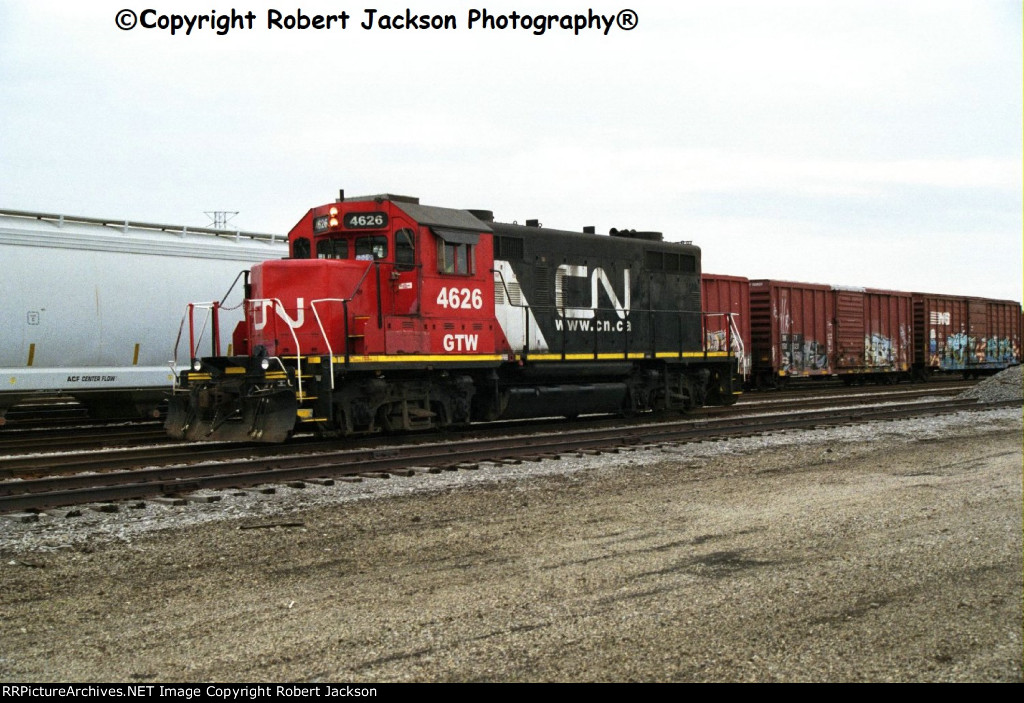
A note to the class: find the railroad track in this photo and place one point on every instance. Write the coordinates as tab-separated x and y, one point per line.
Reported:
254	468
15	441
168	452
139	434
49	413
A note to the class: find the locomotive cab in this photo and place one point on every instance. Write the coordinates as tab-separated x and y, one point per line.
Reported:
391	276
379	282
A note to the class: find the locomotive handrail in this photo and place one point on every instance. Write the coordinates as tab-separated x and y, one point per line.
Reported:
508	293
733	336
359	283
675	317
190	315
380	304
733	340
744	367
526	313
323	333
704	335
682	323
298	348
232	287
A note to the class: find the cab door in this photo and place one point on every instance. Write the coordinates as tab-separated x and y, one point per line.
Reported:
405	277
404	330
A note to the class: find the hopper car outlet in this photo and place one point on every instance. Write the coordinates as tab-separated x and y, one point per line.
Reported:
392	315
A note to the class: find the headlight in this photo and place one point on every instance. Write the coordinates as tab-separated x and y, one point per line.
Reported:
264	364
197	365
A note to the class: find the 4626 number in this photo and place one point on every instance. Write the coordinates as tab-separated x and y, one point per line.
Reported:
460	298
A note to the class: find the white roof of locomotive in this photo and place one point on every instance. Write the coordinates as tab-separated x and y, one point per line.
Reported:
23	228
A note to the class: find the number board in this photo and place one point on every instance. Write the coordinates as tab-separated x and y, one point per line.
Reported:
366	220
320	223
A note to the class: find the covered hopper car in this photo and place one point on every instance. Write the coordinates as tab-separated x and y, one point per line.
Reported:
92	306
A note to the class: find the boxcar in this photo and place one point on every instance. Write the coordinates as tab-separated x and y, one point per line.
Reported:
809	330
973	336
726	302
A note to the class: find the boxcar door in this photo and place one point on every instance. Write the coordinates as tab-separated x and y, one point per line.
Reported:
977	332
850	329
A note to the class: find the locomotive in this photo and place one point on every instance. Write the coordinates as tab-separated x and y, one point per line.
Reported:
391	315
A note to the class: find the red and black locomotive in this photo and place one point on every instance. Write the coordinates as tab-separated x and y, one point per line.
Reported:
392	315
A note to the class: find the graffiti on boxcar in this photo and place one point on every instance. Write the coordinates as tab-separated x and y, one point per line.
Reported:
962	351
802	356
718	340
878	350
715	340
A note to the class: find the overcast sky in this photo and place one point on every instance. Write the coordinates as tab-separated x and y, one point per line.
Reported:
849	142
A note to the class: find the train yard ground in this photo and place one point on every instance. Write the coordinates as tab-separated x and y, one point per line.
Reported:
888	551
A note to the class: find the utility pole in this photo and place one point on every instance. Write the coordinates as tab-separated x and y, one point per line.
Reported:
219	218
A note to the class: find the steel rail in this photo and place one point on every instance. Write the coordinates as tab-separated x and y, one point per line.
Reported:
15	466
38	494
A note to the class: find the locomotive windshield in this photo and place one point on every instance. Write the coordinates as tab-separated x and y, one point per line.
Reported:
366	248
369	248
332	249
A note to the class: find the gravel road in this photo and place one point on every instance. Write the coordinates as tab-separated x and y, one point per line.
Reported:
885	552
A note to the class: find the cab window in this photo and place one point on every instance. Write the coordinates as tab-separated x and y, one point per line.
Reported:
455	258
405	250
370	248
332	249
300	248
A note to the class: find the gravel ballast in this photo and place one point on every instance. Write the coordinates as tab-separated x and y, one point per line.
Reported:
882	552
1005	385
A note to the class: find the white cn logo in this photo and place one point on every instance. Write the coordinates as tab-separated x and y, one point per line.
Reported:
259	313
597	276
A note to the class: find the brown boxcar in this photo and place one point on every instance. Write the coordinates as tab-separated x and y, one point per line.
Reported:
973	336
790	331
809	330
726	302
874	332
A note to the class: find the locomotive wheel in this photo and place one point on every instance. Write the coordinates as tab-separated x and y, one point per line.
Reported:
720	391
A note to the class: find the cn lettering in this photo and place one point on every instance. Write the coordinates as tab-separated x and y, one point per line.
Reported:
597	276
